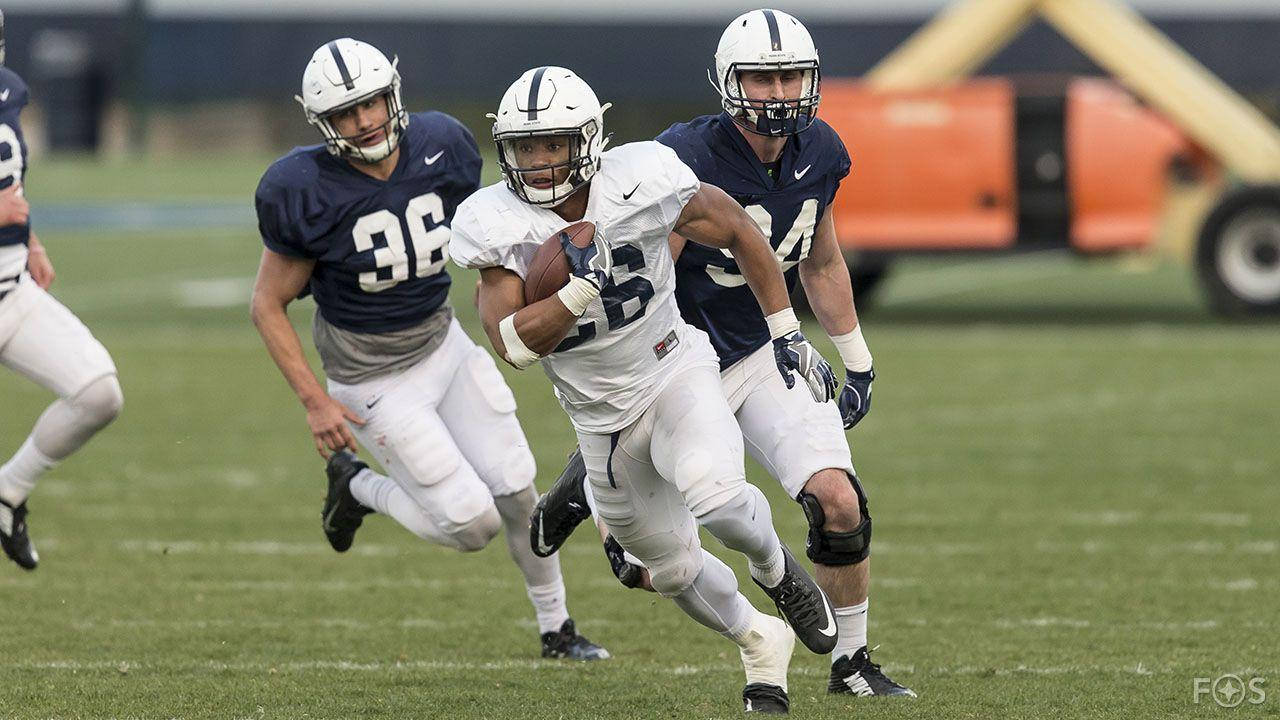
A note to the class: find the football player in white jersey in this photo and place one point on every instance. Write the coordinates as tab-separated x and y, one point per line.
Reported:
41	340
432	406
661	448
768	150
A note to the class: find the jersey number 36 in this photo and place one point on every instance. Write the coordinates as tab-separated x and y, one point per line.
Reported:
430	245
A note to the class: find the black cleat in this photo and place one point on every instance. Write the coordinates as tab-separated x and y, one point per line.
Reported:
567	643
764	698
342	513
804	606
560	510
859	676
14	538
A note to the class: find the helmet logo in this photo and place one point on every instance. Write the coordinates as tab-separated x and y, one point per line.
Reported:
533	92
775	37
342	66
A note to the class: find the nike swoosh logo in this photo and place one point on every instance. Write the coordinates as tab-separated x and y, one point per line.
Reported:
328	520
4	95
369	405
830	629
627	196
543	547
801	173
432	160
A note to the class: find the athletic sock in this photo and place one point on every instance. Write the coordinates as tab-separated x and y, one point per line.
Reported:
851	624
19	475
770	574
383	495
549	605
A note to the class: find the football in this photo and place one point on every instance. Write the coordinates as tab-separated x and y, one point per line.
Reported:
549	270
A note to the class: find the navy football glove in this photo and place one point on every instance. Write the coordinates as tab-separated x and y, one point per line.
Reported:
591	263
793	353
855	399
628	574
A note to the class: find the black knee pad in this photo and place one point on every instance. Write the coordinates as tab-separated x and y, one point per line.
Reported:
836	548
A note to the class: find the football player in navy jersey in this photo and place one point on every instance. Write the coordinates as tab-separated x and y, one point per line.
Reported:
40	339
770	152
362	223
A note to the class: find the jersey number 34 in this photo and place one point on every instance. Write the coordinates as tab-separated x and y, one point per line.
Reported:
793	248
430	246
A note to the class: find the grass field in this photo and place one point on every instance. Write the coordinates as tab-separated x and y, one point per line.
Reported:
1072	470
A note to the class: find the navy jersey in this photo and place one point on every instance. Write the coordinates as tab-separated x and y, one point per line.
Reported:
380	247
13	149
711	291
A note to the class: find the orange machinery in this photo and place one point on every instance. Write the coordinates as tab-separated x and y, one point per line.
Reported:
945	163
992	164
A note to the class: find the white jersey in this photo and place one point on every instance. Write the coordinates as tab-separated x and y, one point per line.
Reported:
631	339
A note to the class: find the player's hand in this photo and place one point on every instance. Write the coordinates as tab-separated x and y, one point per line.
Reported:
794	354
855	399
592	263
328	419
14	209
628	573
40	267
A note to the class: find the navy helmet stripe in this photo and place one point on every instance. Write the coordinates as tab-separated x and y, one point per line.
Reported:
533	92
775	38
342	66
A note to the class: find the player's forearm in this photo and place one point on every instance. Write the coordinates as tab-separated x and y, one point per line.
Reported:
761	271
544	324
539	327
285	349
830	296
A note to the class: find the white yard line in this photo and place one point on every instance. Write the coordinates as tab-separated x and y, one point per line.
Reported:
936	549
214	292
253	547
1140	669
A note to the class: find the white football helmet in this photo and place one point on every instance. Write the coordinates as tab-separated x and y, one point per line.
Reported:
769	40
550	101
345	72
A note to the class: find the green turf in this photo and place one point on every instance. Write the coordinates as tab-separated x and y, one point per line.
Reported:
1072	471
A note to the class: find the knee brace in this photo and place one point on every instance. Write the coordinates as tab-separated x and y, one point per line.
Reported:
672	576
836	548
477	533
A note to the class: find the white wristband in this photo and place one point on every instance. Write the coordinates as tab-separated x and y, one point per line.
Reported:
781	323
518	354
577	294
853	350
